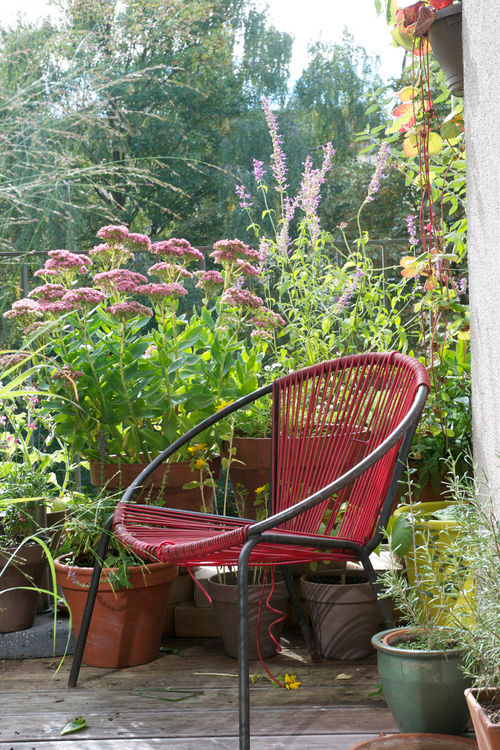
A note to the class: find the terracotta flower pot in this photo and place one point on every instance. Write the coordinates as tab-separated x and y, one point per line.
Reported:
487	733
165	485
423	689
126	626
254	472
416	742
18	607
344	616
225	599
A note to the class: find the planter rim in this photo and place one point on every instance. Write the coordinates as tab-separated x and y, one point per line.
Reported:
451	10
379	644
61	565
360	576
472	695
386	740
213	580
431	506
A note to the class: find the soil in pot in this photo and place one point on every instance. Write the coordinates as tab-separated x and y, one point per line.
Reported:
225	599
416	742
344	613
127	625
165	485
18	607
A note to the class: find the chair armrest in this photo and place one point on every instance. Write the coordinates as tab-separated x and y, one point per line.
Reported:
193	432
356	471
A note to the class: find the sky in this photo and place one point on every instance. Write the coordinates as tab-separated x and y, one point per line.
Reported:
307	21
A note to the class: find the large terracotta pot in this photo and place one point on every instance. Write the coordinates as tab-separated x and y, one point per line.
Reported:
164	485
126	626
423	689
253	472
18	607
416	742
487	733
344	616
225	599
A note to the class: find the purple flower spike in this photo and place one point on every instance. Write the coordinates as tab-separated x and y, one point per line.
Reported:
383	155
278	161
258	170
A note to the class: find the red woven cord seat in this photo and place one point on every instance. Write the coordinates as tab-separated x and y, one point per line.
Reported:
327	418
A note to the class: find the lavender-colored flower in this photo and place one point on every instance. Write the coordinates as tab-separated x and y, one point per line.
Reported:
177	248
234	297
310	189
412	229
119	280
243	196
258	170
49	291
382	156
84	297
461	286
162	290
264	247
114	232
348	292
278	161
132	309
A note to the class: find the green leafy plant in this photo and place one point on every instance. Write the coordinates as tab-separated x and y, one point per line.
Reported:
129	378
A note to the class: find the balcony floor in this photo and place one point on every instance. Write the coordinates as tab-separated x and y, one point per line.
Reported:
336	706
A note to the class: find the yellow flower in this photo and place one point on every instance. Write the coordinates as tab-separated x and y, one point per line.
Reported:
196	448
291	682
260	490
223	404
200	463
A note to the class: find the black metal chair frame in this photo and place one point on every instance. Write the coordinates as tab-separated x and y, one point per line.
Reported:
261	532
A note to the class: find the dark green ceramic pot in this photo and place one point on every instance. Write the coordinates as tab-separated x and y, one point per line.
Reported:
423	689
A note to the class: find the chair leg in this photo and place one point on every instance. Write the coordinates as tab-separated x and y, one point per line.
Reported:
307	633
89	605
372	577
243	667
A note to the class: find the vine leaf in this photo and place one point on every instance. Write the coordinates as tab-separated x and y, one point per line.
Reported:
74	726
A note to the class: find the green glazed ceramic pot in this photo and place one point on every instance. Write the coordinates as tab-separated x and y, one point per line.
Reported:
423	689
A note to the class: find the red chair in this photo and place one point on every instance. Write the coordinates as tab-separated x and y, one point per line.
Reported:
342	431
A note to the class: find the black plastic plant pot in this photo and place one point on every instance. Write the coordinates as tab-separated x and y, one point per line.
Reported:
445	36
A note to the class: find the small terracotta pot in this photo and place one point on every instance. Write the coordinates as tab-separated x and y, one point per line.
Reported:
18	607
416	742
487	733
225	599
164	485
254	472
126	626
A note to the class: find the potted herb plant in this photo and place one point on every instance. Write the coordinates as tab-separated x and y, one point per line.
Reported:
131	603
421	664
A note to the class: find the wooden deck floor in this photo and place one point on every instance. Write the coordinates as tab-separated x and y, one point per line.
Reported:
126	709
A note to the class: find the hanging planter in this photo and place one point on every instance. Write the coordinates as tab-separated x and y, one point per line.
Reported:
445	37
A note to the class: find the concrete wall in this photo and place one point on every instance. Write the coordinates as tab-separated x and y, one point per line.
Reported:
481	39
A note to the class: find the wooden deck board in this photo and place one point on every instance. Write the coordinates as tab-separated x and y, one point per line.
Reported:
335	707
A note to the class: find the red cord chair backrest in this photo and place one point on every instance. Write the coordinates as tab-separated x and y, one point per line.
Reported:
326	419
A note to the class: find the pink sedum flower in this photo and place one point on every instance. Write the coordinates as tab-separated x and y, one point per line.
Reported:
49	291
85	296
24	310
127	310
177	248
246	268
162	290
115	232
119	280
234	297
